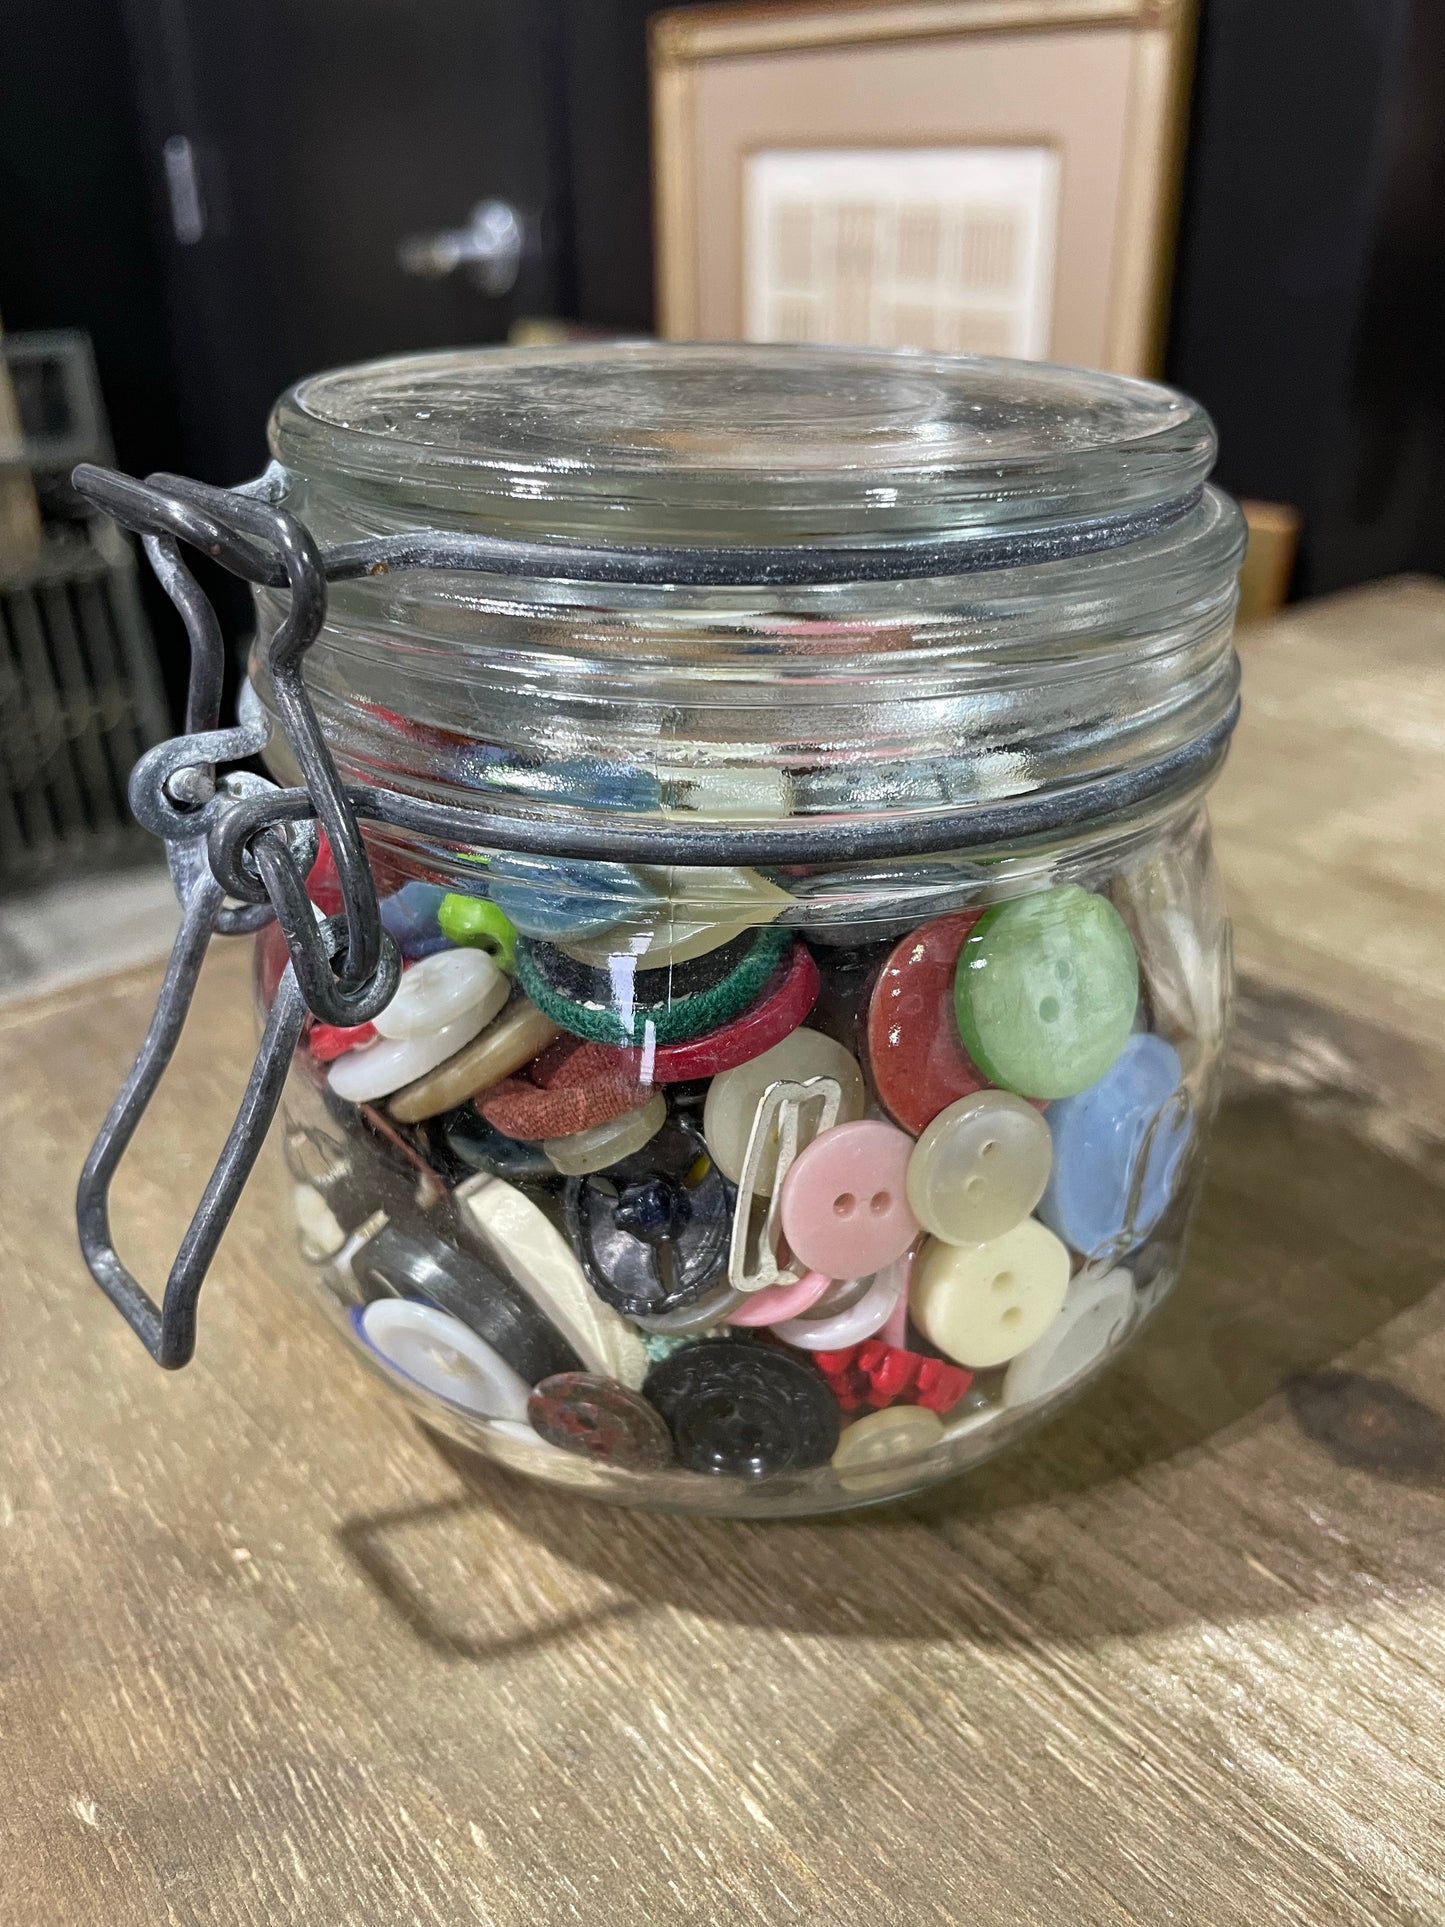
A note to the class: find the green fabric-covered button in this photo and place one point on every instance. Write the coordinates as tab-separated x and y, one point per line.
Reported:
1045	991
479	925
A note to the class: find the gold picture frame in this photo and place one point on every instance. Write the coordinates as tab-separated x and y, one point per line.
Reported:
1101	84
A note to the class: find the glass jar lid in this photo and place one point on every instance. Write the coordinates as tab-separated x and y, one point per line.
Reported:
644	442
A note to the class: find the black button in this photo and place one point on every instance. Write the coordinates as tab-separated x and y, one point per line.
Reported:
739	1407
652	1234
414	1264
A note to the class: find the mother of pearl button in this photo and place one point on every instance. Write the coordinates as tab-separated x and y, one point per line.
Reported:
872	1450
383	1066
438	1353
733	1098
517	1235
984	1304
441	989
979	1168
1095	1316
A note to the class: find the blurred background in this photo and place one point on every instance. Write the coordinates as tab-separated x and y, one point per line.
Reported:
201	200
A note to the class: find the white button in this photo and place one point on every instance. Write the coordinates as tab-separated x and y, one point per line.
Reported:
853	1324
438	1353
607	1143
872	1452
734	1096
443	989
1095	1316
377	1069
979	1168
519	1236
984	1304
706	908
318	1228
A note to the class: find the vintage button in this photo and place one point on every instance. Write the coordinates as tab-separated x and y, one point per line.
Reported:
984	1304
438	1353
378	1069
871	1451
607	1143
318	1230
476	924
623	979
557	898
1095	1316
600	1419
327	1042
1046	991
1118	1147
410	916
742	1408
615	1018
851	1324
708	1314
515	1235
876	1374
697	910
918	1063
482	1148
595	782
844	1202
441	990
979	1168
511	1040
734	1096
776	1303
414	1263
651	1245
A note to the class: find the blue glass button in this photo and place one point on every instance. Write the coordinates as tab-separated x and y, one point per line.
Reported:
1117	1150
410	916
555	898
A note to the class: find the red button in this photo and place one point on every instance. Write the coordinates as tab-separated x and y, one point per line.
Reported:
917	1059
326	1042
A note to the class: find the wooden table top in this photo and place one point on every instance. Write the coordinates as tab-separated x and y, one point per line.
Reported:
269	1654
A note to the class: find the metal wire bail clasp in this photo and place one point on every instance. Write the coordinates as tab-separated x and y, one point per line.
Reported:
231	880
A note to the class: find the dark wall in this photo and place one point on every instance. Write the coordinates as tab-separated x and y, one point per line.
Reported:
1310	286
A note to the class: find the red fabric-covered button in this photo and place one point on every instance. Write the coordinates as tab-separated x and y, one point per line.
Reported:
916	1056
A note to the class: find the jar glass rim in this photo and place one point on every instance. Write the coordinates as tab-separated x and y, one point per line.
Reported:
645	441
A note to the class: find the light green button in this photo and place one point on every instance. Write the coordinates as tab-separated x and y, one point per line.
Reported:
1046	991
479	925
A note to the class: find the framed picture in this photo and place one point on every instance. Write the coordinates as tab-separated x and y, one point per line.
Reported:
976	176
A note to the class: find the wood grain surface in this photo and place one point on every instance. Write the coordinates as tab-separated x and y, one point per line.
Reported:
270	1654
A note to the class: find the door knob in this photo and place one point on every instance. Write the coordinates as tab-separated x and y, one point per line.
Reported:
487	251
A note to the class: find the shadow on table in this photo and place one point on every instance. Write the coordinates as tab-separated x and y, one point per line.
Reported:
1322	1220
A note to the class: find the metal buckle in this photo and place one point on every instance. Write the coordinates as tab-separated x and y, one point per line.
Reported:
789	1116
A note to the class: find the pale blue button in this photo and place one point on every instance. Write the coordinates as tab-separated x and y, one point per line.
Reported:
554	898
1128	1131
410	916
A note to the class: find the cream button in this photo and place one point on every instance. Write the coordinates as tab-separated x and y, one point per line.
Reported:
377	1069
441	989
733	792
1095	1315
439	1353
607	1143
872	1451
734	1096
979	1168
518	1236
514	1039
984	1304
706	908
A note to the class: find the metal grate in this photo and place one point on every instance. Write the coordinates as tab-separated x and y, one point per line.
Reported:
80	692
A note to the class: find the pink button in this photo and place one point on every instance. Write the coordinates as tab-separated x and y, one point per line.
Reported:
844	1203
776	1302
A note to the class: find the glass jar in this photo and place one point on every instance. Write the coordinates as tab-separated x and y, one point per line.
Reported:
820	1160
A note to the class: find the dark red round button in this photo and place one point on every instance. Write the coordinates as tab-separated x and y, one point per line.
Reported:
915	1053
